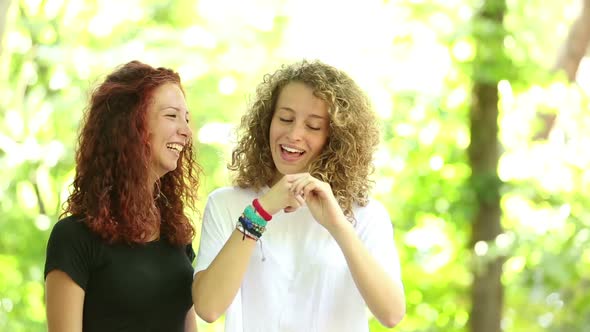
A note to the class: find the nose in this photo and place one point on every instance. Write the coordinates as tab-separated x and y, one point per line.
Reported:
185	130
296	132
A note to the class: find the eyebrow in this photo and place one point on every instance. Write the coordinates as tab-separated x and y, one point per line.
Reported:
285	108
174	108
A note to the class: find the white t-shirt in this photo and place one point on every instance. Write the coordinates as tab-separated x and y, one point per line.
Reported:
297	279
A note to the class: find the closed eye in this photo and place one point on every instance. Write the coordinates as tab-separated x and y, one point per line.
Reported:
285	120
313	128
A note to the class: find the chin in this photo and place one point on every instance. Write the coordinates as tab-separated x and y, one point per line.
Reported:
290	171
169	169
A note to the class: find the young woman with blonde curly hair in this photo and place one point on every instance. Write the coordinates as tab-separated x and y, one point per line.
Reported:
303	160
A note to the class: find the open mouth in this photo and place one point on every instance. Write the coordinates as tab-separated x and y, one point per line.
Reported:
175	147
291	151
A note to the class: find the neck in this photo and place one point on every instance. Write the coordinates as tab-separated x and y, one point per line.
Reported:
276	178
155	180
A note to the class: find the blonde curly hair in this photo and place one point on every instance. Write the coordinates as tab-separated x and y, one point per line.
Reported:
345	161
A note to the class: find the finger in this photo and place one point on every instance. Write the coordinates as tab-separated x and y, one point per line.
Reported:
310	187
293	202
300	200
290	209
318	189
298	185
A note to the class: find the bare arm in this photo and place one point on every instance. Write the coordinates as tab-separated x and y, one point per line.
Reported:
215	287
64	302
384	296
190	322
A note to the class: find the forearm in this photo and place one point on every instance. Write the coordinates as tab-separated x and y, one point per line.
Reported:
384	296
215	287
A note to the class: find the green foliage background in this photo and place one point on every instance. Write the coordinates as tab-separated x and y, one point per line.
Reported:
415	60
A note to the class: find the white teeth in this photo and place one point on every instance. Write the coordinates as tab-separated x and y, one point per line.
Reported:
292	150
175	146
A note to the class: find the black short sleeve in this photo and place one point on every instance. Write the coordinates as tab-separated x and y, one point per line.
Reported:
73	249
190	252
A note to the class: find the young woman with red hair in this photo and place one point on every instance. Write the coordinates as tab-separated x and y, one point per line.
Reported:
121	259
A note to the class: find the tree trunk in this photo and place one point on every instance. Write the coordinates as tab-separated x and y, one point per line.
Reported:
4	4
568	61
487	293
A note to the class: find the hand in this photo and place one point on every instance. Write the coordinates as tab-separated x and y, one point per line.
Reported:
280	197
319	198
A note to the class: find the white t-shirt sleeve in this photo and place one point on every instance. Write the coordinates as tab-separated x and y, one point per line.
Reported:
216	230
376	232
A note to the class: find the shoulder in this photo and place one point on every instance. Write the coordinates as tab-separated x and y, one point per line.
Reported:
71	227
230	193
222	191
73	248
73	232
373	209
373	216
227	203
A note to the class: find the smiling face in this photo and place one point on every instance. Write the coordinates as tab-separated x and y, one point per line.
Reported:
299	129
167	124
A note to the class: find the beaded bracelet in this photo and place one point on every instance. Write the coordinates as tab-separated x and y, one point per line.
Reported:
245	233
251	224
261	211
251	214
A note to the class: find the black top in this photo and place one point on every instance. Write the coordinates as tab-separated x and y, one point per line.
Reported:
144	287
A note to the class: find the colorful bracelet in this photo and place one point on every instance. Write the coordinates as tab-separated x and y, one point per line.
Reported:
261	211
251	214
251	224
251	227
243	227
245	233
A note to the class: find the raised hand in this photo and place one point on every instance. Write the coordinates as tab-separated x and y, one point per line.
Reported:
280	197
319	199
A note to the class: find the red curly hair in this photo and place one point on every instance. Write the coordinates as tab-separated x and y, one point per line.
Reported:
111	190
